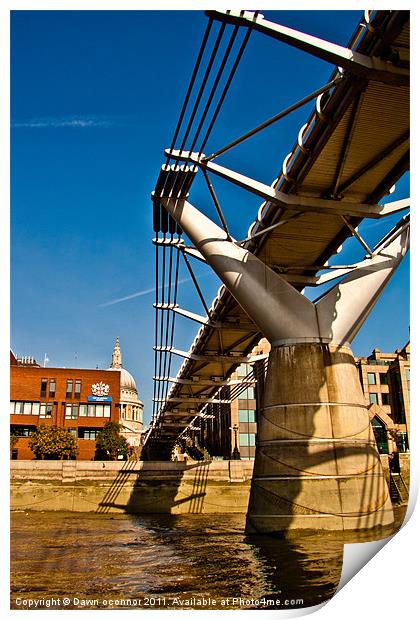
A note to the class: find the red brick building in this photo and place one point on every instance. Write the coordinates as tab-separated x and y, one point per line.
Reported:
80	400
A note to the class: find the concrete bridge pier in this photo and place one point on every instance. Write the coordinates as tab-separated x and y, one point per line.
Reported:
316	466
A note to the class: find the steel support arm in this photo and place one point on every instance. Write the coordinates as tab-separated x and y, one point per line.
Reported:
370	67
273	304
282	314
291	201
214	357
206	382
344	308
203	320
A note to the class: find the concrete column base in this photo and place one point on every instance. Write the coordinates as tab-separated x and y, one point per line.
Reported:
316	466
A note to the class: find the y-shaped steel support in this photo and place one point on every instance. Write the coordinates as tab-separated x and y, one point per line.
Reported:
316	464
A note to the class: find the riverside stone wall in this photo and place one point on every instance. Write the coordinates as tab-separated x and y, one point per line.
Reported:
139	487
130	486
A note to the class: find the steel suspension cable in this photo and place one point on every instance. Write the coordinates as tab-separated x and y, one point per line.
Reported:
171	343
161	330
156	330
203	85
275	118
216	204
226	88
191	84
168	312
162	313
214	87
158	354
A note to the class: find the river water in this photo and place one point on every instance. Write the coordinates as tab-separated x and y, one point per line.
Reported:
84	560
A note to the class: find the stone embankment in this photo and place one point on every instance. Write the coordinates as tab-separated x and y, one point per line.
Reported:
131	486
217	487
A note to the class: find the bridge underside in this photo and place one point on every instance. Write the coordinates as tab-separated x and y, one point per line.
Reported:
316	463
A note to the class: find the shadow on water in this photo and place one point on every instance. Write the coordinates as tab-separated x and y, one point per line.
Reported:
305	571
182	561
265	571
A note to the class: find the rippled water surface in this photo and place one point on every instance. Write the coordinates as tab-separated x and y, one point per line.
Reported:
74	561
86	560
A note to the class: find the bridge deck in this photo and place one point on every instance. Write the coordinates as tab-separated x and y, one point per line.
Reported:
354	148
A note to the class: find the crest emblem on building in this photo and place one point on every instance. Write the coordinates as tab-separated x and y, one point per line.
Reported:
100	389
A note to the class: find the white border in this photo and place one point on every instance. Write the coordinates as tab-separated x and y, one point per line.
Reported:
386	586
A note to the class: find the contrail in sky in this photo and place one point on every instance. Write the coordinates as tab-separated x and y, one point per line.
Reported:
141	293
72	122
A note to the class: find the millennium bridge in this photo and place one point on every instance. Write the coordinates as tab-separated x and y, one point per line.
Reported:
316	463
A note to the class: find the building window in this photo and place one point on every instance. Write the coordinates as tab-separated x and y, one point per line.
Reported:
385	398
77	388
46	410
247	393
246	415
69	388
89	433
407	374
25	408
379	432
73	431
383	378
371	378
72	412
52	388
44	383
247	439
243	370
22	431
373	397
402	442
92	411
379	362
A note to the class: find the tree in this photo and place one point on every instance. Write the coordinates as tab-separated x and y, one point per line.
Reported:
109	443
13	440
52	442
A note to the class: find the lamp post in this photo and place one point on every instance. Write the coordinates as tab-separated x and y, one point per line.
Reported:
236	455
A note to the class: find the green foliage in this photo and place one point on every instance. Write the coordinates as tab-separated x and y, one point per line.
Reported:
52	442
109	443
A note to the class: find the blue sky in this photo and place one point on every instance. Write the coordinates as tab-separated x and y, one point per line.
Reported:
95	97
